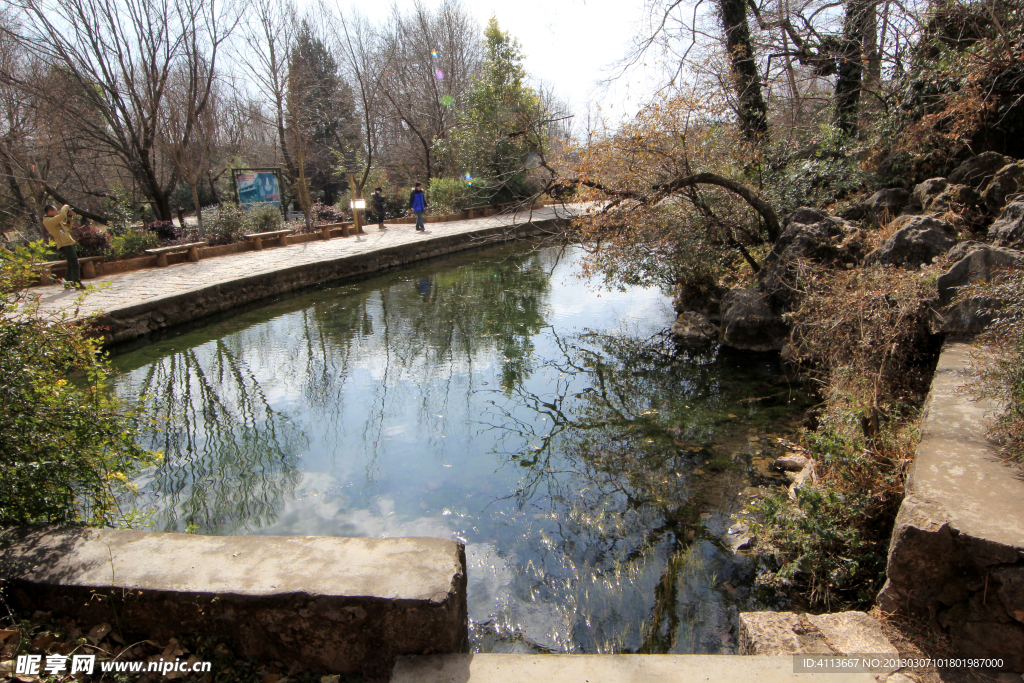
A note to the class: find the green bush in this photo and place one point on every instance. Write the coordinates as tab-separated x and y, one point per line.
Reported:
263	218
131	243
224	224
69	447
122	216
450	195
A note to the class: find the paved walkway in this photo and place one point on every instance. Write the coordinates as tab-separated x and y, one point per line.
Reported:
122	290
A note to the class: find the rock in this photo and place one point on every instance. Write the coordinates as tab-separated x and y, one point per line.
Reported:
824	241
1008	229
954	197
926	191
922	239
895	169
749	323
693	326
1008	181
791	462
978	170
739	537
805	215
808	475
786	633
978	263
885	205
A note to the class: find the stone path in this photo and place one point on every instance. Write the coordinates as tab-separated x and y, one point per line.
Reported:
124	290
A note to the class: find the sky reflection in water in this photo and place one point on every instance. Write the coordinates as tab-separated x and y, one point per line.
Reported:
494	397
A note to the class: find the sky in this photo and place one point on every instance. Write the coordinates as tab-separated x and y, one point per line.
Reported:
572	45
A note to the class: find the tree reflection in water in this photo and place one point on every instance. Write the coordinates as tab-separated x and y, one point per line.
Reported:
634	456
590	474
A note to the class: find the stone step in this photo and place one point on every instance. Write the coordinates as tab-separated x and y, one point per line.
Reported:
492	668
339	605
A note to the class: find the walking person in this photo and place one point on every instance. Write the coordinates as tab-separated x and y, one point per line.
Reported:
58	224
378	207
418	204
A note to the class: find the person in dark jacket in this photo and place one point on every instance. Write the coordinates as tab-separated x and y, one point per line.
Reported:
418	204
378	207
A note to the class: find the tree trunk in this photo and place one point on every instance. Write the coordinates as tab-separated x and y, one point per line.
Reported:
751	109
199	210
851	66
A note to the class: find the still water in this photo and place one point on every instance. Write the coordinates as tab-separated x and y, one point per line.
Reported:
496	397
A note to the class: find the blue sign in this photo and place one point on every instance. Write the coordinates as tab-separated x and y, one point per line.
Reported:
258	188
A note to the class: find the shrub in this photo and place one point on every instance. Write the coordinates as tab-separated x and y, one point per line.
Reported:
69	447
329	214
263	218
450	195
832	542
224	224
131	243
166	231
122	216
91	241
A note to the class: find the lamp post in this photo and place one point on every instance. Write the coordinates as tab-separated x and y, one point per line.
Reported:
357	206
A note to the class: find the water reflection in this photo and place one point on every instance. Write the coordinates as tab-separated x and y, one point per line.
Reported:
493	397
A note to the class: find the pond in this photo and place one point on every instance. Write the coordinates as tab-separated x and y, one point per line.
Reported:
497	397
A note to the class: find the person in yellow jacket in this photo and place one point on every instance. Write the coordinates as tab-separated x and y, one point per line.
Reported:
58	224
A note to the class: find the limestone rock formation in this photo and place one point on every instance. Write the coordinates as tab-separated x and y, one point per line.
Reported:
921	239
749	323
1006	183
978	170
925	192
976	262
885	205
954	197
1008	229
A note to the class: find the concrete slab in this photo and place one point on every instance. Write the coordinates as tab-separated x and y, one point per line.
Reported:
340	605
786	633
609	669
957	552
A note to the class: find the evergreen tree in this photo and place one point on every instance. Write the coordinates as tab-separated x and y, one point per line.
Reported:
503	122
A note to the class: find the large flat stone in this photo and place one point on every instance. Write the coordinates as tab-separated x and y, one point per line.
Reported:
786	633
339	605
609	669
957	549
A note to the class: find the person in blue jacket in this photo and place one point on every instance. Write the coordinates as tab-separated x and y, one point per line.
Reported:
418	204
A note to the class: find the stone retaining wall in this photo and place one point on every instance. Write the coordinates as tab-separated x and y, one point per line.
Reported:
336	605
130	322
957	555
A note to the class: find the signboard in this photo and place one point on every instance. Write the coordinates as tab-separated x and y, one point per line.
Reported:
257	186
351	165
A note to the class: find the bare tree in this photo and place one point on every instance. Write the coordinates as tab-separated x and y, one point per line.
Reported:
432	58
117	57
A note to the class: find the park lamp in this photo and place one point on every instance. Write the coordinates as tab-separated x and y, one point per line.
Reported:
358	204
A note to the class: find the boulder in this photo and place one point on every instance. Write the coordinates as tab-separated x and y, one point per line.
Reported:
976	262
805	215
827	240
1008	229
694	326
978	170
1008	181
920	240
884	205
954	197
791	462
925	192
749	323
786	633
